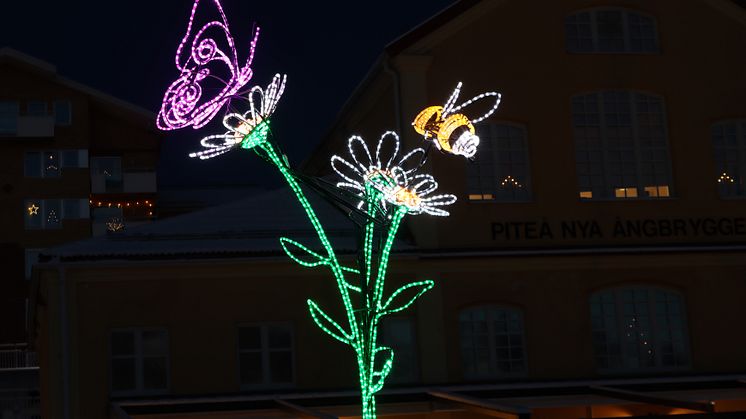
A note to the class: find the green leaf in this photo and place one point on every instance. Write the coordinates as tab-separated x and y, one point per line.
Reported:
327	324
405	296
388	363
301	254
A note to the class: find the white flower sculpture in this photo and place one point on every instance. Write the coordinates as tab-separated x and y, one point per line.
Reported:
394	179
255	122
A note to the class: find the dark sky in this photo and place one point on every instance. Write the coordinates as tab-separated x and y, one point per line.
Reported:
126	49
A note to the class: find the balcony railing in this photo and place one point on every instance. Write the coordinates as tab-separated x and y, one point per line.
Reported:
17	356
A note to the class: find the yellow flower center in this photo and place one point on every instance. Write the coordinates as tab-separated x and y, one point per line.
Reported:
408	197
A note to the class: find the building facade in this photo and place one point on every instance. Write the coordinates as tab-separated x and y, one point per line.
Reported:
594	265
73	158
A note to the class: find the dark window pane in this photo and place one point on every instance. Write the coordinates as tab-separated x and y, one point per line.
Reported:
52	213
154	342
8	117
62	112
249	338
281	367
32	164
279	337
123	343
251	368
123	374
36	108
154	374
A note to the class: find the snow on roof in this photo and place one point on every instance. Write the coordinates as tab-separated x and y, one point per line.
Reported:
248	227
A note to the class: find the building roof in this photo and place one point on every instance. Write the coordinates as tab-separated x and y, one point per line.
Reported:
50	71
249	227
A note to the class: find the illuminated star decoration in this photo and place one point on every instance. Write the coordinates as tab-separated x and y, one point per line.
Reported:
395	180
249	129
205	68
33	209
451	131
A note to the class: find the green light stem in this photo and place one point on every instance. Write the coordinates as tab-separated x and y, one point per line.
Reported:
333	262
383	263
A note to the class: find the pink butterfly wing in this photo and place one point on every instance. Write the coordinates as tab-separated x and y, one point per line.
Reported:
210	75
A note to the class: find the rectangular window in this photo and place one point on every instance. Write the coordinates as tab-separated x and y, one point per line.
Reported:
48	214
265	355
74	158
621	146
75	209
62	112
500	171
729	147
32	164
106	174
36	108
398	333
610	31
51	163
139	361
8	118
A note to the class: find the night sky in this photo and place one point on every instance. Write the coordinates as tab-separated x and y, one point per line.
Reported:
127	48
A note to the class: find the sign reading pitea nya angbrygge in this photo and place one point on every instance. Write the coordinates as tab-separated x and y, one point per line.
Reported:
620	228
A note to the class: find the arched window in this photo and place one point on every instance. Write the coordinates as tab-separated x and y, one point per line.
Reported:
638	328
729	146
492	342
621	146
500	170
610	31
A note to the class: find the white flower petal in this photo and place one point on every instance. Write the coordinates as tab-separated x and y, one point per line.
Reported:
346	170
423	185
359	152
412	160
439	200
388	145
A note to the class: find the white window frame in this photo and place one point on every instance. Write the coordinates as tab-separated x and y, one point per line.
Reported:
493	370
478	172
661	189
623	328
626	28
265	351
731	182
139	357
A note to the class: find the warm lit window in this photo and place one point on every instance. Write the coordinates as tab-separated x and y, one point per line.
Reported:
729	146
265	355
398	333
62	112
8	117
139	361
500	170
106	175
492	342
638	328
621	146
610	31
48	214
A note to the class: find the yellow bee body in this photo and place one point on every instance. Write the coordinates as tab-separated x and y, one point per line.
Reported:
450	131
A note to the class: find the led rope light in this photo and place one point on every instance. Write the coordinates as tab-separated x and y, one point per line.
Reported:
386	184
450	130
183	104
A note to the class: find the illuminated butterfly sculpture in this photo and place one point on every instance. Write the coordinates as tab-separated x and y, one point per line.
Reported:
451	131
249	129
210	76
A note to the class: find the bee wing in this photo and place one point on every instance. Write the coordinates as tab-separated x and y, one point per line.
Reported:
484	96
451	100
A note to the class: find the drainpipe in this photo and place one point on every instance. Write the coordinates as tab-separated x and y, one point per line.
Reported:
65	345
387	67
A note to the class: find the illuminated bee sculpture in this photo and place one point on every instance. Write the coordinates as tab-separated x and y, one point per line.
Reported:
451	131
